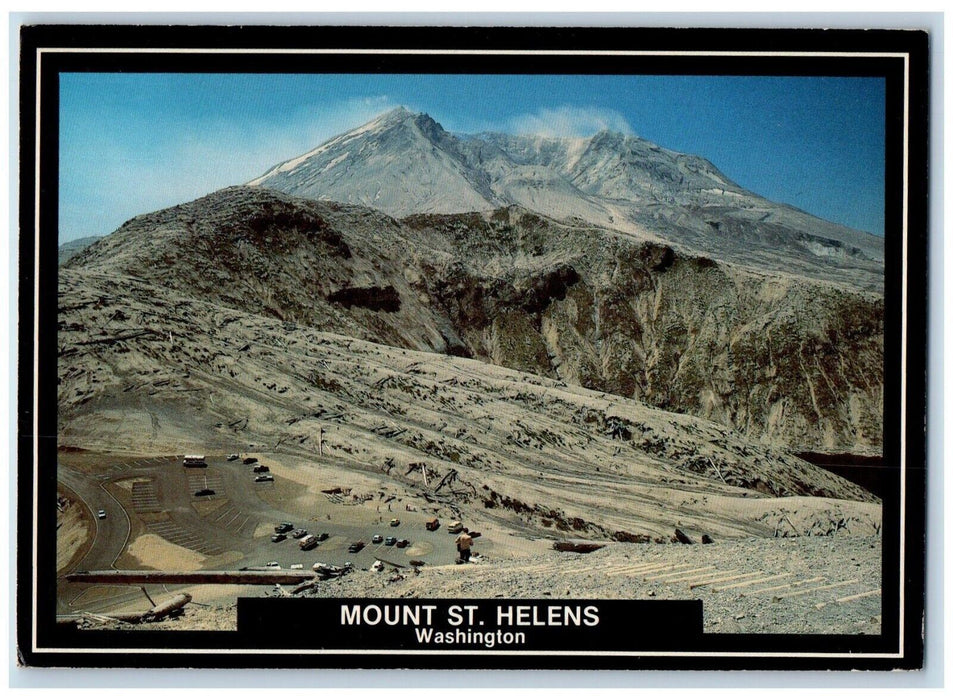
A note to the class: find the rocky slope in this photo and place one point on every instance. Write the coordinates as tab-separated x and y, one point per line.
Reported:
143	368
404	163
74	247
778	357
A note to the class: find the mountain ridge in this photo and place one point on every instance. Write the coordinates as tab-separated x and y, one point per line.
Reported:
73	247
775	356
405	163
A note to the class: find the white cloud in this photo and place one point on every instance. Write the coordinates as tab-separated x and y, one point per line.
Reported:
570	121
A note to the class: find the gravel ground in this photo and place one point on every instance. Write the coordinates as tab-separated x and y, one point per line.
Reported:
751	585
816	585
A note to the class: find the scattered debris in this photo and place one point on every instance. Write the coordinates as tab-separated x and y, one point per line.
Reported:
171	607
326	571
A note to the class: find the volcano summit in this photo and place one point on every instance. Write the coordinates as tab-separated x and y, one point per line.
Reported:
405	163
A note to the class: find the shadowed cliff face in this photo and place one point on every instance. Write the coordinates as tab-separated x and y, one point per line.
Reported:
778	357
774	356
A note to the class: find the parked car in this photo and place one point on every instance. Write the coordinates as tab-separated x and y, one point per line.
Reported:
261	469
249	460
390	541
296	566
264	477
299	533
232	458
205	492
101	514
401	544
356	547
273	565
455	527
433	524
377	539
284	527
395	522
323	536
279	537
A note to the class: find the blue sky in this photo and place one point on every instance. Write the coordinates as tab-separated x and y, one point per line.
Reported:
134	143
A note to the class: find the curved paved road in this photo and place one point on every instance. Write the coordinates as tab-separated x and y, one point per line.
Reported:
112	533
230	528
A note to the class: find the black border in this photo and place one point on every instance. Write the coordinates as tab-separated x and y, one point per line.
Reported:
914	43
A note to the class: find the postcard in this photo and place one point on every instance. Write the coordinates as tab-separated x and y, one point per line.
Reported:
472	348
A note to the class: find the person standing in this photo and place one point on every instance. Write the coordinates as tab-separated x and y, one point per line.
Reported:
464	542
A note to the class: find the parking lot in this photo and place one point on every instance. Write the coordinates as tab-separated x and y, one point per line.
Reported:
234	519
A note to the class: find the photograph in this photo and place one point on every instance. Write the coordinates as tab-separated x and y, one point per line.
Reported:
557	354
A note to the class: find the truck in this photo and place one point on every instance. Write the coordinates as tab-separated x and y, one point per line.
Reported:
455	527
194	461
433	524
309	542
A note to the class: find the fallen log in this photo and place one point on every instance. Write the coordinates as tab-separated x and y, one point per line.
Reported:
578	547
184	577
118	338
682	537
301	588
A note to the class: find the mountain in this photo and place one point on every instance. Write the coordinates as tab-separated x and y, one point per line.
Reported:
404	163
602	340
71	248
401	163
779	358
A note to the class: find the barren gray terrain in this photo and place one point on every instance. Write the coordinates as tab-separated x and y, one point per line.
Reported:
777	357
189	376
525	460
561	341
